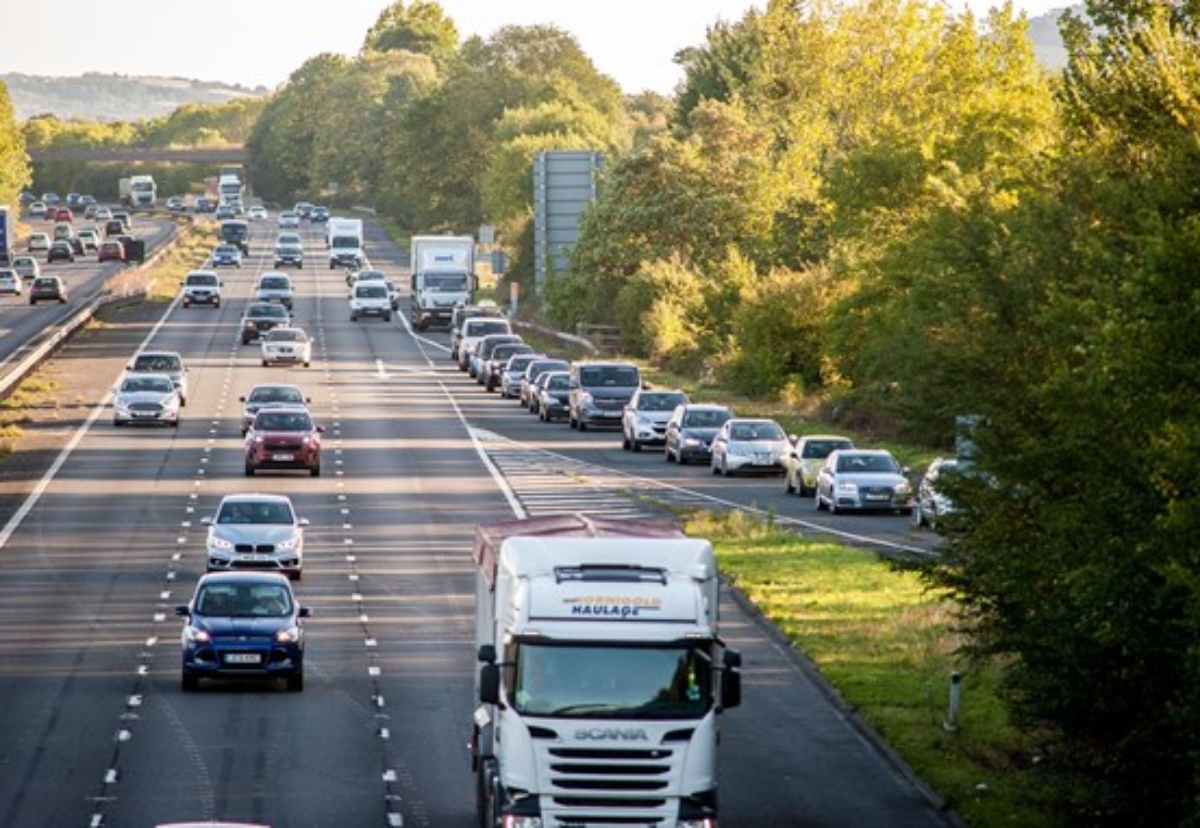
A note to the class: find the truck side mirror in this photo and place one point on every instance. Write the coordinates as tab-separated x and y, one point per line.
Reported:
731	680
489	683
412	283
487	653
474	282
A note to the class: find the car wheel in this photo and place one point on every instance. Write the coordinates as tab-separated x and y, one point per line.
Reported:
315	471
118	423
542	416
725	468
788	488
714	468
635	445
249	470
189	682
306	365
817	501
582	425
295	682
264	362
353	317
174	423
625	446
387	317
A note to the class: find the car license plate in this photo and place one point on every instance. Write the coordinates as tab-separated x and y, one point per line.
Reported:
243	658
876	496
283	458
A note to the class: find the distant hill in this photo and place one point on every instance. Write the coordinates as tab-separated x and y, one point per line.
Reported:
99	97
1047	44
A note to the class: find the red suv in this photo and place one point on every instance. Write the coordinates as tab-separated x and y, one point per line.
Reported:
284	437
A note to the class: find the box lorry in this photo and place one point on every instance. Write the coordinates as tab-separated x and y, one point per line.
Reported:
443	276
344	238
8	238
602	674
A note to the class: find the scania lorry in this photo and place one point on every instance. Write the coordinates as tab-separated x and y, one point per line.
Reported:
443	276
139	191
602	675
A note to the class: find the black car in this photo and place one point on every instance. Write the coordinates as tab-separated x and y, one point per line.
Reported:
691	430
318	214
60	250
261	317
289	255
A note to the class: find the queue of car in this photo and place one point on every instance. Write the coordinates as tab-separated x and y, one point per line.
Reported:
611	394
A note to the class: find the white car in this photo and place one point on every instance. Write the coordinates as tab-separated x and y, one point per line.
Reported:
10	281
286	344
38	242
863	479
255	531
644	421
257	212
274	287
146	398
27	266
748	445
288	220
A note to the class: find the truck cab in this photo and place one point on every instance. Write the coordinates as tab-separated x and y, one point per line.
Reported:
602	675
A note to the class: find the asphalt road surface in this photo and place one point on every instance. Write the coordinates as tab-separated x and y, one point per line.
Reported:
94	728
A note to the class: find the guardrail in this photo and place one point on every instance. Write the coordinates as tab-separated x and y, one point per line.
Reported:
37	350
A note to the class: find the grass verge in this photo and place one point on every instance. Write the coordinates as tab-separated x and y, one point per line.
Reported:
889	648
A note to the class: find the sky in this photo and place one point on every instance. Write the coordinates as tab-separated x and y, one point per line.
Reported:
261	42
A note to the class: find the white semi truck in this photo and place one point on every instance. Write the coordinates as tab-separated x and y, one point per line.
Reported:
138	191
443	277
602	675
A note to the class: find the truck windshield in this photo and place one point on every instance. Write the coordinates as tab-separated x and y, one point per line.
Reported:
446	282
667	681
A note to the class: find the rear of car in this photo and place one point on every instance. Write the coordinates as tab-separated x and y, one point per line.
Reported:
47	289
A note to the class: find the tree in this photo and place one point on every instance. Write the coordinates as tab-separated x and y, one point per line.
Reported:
1077	561
15	172
421	28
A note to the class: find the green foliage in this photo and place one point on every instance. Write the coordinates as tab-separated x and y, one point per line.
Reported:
14	163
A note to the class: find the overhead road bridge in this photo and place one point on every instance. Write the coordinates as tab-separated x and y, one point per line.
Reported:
199	155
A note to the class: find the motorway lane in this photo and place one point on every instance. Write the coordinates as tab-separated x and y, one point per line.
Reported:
19	321
99	728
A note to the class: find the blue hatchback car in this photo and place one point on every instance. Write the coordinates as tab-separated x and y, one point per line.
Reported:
243	625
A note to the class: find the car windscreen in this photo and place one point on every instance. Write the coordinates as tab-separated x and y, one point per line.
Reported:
485	327
157	363
285	336
275	283
249	511
161	385
609	376
273	394
820	449
203	279
660	402
269	420
866	463
705	419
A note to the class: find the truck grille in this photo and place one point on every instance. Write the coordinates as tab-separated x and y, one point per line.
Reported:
610	786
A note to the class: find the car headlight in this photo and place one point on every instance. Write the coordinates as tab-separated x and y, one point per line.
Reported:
289	543
585	398
196	636
289	636
218	542
903	488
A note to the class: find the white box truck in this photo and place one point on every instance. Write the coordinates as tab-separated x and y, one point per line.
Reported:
344	238
443	277
602	675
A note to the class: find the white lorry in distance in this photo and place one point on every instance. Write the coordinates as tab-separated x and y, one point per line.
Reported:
138	191
443	276
344	238
602	674
230	189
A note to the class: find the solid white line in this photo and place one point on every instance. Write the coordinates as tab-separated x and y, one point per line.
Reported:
32	500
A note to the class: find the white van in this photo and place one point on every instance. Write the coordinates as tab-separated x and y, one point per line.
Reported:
370	298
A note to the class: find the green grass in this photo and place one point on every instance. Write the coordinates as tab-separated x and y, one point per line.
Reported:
889	648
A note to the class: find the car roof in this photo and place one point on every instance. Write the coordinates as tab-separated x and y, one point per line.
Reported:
255	497
157	353
252	576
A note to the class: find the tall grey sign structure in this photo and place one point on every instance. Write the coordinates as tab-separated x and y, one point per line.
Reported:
564	184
